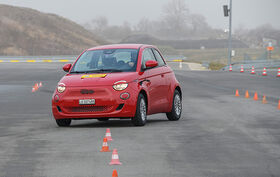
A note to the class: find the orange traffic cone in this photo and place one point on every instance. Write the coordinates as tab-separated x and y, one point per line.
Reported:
279	104
247	94
230	67
264	72
242	69
256	96
253	70
115	158
105	147
36	86
115	173
278	73
237	93
264	100
108	135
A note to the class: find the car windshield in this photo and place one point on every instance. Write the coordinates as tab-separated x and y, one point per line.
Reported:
108	60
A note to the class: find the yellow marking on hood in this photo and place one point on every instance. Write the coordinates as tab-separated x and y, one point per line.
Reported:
94	76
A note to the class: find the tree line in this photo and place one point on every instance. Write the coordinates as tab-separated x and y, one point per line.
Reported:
176	23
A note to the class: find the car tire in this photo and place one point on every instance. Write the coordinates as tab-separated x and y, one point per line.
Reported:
140	117
103	119
176	111
63	122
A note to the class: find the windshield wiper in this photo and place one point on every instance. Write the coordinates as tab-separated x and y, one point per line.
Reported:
104	70
78	72
97	71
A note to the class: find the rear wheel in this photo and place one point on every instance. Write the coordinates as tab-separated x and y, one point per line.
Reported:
176	111
103	119
63	122
140	117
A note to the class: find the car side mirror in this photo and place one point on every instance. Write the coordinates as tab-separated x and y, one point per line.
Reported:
151	64
67	67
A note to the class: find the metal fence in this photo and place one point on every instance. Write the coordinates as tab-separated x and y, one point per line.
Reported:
174	57
256	63
261	62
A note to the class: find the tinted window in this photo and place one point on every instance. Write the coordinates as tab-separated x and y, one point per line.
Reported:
147	55
159	58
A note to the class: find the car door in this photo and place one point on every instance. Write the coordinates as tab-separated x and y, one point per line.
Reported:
165	75
155	84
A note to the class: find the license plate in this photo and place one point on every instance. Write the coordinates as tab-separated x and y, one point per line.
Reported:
87	101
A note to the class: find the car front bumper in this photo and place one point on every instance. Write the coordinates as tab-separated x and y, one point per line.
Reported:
108	103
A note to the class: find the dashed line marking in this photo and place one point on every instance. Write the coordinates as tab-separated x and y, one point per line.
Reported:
31	61
64	60
47	61
14	61
177	60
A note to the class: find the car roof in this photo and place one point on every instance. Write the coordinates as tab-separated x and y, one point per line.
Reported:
120	46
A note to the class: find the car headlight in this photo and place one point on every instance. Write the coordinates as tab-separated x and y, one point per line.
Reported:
120	85
61	88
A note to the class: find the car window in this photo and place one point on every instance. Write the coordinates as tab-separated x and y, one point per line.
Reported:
107	59
147	55
159	58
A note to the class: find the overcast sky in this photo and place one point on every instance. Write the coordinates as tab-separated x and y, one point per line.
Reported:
248	13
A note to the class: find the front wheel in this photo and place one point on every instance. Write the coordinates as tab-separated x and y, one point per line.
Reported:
140	117
63	122
176	111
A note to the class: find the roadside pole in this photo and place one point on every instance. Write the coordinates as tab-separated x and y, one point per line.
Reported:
228	13
229	34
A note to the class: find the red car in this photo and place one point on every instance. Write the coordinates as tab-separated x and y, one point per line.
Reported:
117	81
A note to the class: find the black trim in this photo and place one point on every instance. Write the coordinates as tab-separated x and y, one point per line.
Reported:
86	91
58	108
160	56
101	117
120	107
145	80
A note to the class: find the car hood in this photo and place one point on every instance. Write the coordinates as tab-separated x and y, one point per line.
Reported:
103	79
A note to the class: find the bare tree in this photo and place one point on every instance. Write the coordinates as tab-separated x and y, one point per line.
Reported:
199	26
143	26
176	23
176	17
99	23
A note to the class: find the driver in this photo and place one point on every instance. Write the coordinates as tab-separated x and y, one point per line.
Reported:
133	57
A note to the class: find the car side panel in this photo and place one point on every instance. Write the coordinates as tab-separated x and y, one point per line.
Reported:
157	90
155	85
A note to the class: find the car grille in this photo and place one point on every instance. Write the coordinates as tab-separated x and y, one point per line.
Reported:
87	109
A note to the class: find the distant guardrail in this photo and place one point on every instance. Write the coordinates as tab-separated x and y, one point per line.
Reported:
66	58
247	64
175	58
32	59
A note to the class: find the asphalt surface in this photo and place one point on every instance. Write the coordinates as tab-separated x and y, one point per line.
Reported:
219	135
